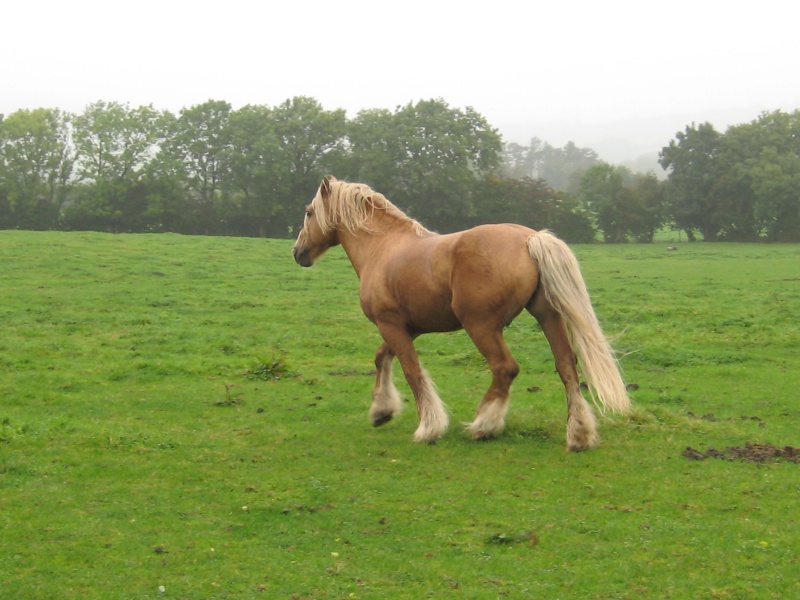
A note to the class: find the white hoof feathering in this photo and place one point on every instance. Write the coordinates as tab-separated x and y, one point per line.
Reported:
490	420
386	403
433	419
581	428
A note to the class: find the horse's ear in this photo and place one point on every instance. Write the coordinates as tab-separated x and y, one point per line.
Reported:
325	188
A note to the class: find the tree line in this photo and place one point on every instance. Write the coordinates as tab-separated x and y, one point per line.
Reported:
213	170
740	185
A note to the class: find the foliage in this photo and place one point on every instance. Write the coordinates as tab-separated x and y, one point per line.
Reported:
691	162
426	157
215	170
197	146
113	142
137	460
743	185
311	139
650	207
256	163
562	168
533	203
114	145
622	204
212	169
761	161
36	162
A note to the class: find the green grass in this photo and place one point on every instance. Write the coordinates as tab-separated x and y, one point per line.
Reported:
191	413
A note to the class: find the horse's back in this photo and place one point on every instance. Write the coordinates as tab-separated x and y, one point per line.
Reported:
498	235
502	248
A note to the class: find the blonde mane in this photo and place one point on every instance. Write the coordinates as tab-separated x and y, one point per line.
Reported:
351	206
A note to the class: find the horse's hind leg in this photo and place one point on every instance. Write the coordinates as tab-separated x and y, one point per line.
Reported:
386	401
581	427
490	418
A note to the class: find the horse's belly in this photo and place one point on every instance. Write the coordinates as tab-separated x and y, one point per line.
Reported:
433	321
426	308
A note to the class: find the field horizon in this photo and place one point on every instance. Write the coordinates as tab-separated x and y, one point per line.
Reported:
186	417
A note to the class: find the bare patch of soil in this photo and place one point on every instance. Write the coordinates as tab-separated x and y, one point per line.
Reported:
756	453
713	418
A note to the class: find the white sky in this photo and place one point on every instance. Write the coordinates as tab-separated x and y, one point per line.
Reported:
582	71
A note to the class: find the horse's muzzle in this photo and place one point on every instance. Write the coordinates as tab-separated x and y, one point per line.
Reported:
301	257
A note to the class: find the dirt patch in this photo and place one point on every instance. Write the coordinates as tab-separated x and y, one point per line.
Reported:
713	418
756	453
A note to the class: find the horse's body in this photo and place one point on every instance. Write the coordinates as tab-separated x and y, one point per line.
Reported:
413	281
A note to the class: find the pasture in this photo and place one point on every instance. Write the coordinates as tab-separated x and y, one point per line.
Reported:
186	417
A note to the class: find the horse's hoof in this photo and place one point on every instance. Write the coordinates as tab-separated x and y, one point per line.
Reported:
575	448
481	433
382	420
581	445
482	436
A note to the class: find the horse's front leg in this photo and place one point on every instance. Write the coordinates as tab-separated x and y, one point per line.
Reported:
433	420
386	402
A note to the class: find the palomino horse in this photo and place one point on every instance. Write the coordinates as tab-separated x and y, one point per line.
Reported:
414	281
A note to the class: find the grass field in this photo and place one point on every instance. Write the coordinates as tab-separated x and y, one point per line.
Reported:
186	417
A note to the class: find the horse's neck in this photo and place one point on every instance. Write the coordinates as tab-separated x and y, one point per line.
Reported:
364	248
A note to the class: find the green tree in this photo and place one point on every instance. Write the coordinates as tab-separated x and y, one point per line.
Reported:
776	183
259	167
519	161
603	193
115	142
6	215
516	161
374	151
530	202
196	154
743	185
622	204
114	146
426	157
691	162
760	165
36	161
526	201
648	206
563	167
312	141
560	167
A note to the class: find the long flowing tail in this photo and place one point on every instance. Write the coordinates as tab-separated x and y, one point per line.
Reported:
564	287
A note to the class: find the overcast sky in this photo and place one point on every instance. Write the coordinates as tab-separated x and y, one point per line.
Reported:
582	71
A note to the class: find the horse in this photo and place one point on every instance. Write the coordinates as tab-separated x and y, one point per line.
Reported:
414	281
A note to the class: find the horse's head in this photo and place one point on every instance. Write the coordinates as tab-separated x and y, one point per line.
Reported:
315	237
